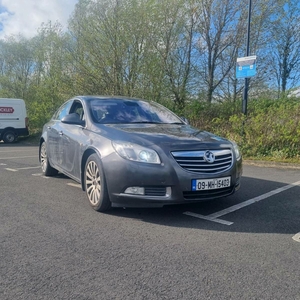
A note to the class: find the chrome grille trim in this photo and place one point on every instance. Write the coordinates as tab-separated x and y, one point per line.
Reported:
193	161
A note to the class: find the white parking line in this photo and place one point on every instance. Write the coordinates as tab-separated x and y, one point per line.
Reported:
40	175
3	164
208	218
253	200
12	170
28	168
10	151
17	169
214	217
74	185
296	237
17	157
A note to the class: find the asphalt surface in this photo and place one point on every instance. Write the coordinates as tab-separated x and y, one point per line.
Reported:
53	245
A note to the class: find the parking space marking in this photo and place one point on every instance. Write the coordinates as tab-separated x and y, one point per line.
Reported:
296	237
3	164
10	151
214	217
74	185
17	157
207	218
37	174
25	168
28	168
253	200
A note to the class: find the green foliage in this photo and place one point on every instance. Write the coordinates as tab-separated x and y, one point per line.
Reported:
271	129
179	53
39	114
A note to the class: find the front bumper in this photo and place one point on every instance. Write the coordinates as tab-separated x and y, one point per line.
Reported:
164	184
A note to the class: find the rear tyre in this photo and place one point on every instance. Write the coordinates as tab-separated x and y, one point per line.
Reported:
46	167
9	137
95	185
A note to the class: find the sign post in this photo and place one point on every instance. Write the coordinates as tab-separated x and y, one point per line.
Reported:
246	67
245	98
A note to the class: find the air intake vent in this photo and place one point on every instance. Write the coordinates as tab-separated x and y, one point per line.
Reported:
155	191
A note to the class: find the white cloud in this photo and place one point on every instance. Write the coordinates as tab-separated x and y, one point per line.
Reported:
26	16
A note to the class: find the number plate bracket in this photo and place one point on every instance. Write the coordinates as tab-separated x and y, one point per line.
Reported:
211	184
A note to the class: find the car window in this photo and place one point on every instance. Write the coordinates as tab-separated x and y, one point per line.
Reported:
62	111
129	111
78	109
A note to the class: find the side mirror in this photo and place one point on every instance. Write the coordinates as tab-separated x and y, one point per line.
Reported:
73	119
185	120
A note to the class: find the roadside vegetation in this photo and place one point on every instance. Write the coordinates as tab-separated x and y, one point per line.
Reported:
180	53
271	130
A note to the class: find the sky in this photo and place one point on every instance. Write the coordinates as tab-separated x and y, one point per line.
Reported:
26	16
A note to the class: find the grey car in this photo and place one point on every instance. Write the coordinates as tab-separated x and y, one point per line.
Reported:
135	153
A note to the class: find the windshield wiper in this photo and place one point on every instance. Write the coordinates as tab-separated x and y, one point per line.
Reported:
146	122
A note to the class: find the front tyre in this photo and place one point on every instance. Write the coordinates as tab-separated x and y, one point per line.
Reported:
95	185
46	167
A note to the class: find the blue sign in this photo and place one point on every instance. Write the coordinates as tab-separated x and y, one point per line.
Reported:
246	67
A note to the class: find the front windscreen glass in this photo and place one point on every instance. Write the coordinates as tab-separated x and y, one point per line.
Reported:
110	111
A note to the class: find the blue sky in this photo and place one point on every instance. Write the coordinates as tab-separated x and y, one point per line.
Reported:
26	16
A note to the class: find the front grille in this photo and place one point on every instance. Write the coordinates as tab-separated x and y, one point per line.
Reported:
155	191
194	161
208	194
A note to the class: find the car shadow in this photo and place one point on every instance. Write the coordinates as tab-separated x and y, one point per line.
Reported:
278	213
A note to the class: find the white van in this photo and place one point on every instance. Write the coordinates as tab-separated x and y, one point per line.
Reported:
13	119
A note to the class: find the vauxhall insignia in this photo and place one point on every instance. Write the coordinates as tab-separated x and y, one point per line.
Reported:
209	157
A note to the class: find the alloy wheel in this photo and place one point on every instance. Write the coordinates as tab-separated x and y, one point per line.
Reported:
43	157
93	183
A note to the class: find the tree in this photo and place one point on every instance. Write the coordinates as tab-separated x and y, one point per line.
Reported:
50	84
218	40
110	45
16	66
285	46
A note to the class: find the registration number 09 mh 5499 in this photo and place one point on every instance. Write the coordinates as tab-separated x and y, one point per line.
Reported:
210	184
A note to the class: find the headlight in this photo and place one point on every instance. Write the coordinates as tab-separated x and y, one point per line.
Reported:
236	150
136	152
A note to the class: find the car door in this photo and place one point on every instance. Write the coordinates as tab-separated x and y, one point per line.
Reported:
72	137
54	136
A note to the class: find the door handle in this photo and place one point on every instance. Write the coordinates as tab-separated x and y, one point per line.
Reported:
61	133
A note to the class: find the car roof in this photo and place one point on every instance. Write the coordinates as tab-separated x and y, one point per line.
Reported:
101	97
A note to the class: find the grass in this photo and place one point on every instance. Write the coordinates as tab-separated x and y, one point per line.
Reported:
32	139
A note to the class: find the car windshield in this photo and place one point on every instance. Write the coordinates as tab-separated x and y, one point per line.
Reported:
111	111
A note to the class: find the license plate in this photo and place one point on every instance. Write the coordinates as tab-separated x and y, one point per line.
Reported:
210	184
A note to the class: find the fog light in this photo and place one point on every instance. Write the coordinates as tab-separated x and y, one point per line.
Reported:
168	192
135	190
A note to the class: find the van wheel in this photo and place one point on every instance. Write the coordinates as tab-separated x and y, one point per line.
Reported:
9	136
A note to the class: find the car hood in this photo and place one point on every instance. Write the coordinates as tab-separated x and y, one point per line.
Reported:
170	135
